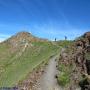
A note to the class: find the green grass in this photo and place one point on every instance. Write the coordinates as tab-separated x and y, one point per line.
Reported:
15	70
63	79
64	75
64	43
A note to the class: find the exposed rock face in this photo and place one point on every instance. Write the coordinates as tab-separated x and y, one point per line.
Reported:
87	57
80	60
23	37
67	58
80	43
88	66
83	59
87	36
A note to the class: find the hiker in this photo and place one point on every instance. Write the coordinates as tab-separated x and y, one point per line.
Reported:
55	39
65	37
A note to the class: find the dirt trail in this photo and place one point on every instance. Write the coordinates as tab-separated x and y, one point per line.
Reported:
48	80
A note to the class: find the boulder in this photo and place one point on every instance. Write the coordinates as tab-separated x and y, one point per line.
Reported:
80	43
88	66
88	48
87	35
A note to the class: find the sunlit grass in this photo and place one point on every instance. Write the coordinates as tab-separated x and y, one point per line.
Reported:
19	68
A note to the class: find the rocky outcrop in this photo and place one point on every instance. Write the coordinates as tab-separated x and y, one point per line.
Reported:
87	37
23	37
78	56
83	60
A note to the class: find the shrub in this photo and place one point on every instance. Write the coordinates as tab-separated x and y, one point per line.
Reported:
63	78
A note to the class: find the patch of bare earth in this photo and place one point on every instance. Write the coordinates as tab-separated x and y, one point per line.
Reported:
32	78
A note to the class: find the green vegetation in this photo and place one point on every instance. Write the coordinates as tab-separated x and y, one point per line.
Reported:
64	43
13	70
63	79
65	69
64	75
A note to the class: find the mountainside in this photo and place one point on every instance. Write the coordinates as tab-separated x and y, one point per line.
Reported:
74	64
20	54
25	36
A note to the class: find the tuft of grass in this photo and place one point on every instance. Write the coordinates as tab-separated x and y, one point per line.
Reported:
63	78
64	74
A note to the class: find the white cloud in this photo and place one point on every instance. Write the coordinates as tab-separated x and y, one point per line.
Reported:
1	39
4	37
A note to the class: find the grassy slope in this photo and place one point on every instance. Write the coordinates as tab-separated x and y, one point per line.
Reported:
19	68
64	43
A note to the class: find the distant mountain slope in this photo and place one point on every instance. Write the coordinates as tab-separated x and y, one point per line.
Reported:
20	54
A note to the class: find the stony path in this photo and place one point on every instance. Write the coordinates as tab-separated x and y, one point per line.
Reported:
48	80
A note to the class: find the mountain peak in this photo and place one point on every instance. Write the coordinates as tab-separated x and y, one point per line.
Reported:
23	33
23	37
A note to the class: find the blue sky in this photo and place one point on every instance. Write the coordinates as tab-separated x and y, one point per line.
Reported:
45	18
